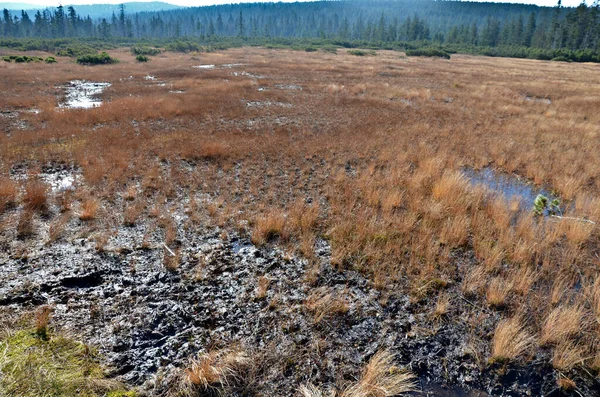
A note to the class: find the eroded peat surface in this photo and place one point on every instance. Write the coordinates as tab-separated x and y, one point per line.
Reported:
280	223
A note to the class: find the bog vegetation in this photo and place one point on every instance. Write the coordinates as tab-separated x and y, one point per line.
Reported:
364	154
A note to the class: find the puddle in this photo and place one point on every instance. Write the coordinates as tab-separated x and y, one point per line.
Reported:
289	87
204	66
238	245
262	104
232	65
536	99
512	188
83	94
252	76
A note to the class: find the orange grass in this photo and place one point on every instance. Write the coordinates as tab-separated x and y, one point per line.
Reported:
367	161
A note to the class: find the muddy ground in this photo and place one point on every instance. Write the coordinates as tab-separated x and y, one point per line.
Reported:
148	321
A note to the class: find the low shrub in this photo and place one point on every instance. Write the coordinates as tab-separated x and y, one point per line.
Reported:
96	59
145	51
361	53
50	60
428	52
141	58
76	51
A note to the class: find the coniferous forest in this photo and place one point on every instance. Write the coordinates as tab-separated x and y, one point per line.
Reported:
496	29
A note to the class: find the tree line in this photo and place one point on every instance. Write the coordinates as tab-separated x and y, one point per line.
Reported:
452	23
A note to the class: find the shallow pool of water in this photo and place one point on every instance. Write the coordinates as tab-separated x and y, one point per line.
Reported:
81	94
511	187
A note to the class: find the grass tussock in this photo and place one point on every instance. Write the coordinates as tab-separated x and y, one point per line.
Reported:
323	303
380	378
562	323
8	194
511	340
216	370
36	196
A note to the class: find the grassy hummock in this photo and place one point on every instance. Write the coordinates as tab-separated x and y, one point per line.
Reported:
32	366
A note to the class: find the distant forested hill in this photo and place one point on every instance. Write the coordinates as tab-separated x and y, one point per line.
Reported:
379	22
96	10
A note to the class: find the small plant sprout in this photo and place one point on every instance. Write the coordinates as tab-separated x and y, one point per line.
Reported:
543	206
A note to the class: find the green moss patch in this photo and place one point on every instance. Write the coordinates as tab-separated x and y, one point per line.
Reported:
57	366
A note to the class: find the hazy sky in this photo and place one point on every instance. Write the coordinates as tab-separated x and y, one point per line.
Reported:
53	3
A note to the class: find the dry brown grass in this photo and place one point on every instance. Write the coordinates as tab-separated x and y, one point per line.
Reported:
36	196
511	340
369	162
216	369
42	320
8	193
567	355
89	209
380	378
323	303
562	323
269	227
262	287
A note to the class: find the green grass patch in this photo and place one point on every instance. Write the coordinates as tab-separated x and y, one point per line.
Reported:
56	366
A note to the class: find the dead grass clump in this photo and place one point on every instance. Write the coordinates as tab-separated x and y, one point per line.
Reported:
263	286
35	198
56	229
323	303
442	306
567	355
474	281
25	224
132	213
561	324
89	209
511	340
380	378
217	369
498	291
8	194
452	190
205	151
269	227
42	319
171	260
